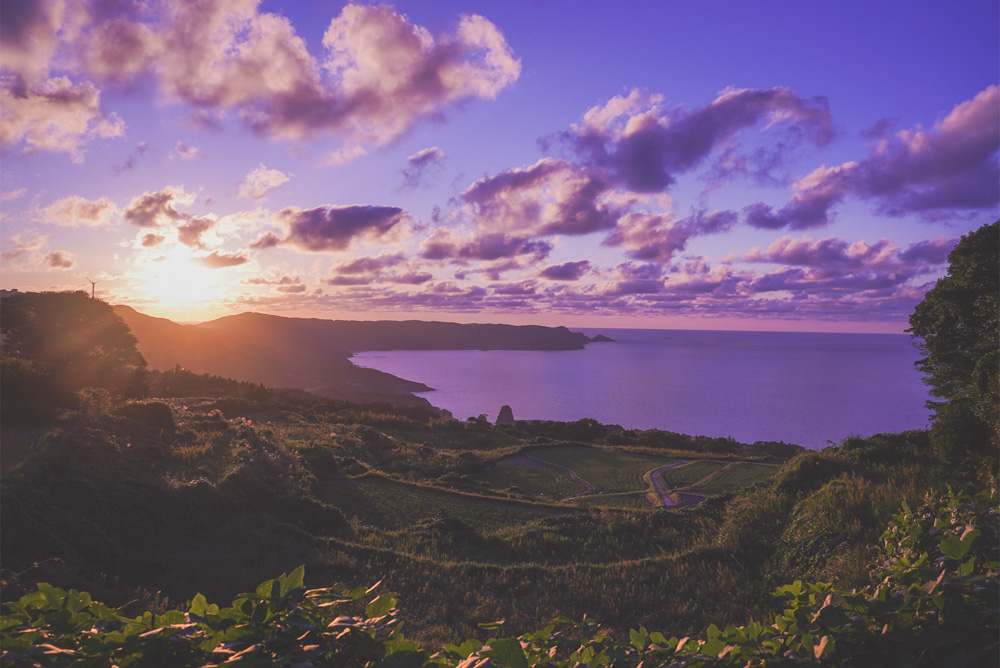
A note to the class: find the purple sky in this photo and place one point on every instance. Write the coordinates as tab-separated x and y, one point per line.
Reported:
735	165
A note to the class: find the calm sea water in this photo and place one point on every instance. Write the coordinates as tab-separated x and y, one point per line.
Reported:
803	388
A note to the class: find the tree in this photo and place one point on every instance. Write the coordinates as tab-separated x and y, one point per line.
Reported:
57	343
958	322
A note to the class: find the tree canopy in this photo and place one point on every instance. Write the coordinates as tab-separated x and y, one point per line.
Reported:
56	343
958	322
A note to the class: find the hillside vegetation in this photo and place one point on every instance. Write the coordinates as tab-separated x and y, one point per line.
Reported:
157	492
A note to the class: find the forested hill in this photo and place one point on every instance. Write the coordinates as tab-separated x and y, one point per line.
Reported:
312	354
357	336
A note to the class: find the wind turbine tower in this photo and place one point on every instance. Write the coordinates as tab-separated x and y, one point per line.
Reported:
93	284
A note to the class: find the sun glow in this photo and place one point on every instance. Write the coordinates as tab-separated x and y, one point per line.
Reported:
176	283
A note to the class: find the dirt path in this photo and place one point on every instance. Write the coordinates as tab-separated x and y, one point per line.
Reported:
589	488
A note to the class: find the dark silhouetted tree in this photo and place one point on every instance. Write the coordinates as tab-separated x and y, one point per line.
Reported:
958	322
57	343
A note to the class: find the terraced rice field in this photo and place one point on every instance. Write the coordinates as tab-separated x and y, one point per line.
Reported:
689	474
628	500
394	504
735	477
610	472
532	477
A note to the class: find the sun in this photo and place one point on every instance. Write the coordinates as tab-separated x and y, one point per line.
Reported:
179	285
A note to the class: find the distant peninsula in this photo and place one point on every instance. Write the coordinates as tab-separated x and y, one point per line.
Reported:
314	354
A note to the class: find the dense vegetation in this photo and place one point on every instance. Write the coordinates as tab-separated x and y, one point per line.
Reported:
208	486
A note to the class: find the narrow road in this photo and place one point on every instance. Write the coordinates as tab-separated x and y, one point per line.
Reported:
658	487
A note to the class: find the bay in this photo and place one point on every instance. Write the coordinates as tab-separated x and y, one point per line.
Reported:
812	389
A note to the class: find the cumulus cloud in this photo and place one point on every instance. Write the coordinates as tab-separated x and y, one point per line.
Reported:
643	146
370	265
152	209
266	240
217	260
951	167
190	233
421	165
567	271
550	197
54	115
333	228
150	240
76	211
444	244
60	260
378	73
259	181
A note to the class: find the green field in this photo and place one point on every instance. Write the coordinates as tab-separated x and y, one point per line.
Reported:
380	501
626	501
531	478
689	474
735	477
609	471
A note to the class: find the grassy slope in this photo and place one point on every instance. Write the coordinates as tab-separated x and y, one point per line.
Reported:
216	505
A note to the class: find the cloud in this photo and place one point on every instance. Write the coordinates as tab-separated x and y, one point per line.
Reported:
259	181
217	260
150	240
643	147
444	244
185	151
12	195
291	289
550	197
22	247
152	209
54	115
284	280
420	165
190	233
567	271
60	260
133	158
370	265
951	167
76	211
333	228
390	72
266	240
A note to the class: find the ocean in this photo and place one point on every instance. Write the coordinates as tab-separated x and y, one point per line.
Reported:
812	389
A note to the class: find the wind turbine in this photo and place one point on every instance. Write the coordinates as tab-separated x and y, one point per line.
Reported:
93	284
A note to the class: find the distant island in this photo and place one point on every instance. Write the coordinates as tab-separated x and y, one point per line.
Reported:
314	354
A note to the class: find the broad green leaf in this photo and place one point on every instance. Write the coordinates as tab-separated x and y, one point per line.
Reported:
508	652
380	606
293	580
638	638
199	605
966	568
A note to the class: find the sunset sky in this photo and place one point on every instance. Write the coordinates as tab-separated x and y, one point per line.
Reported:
734	165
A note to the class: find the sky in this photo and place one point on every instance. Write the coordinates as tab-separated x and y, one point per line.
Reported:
710	165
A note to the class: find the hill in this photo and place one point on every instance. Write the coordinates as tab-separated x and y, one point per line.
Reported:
313	354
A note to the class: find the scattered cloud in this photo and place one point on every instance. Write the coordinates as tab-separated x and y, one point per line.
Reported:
152	209
60	260
420	166
133	159
54	115
191	232
333	228
12	195
23	246
217	260
567	271
76	211
951	167
259	181
185	151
